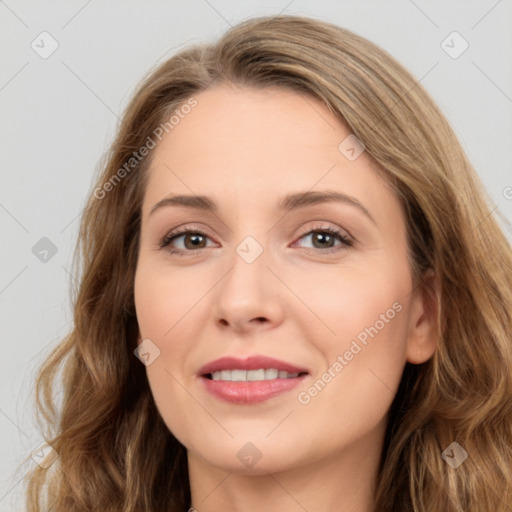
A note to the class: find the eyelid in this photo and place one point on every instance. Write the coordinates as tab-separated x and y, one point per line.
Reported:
180	231
347	240
322	225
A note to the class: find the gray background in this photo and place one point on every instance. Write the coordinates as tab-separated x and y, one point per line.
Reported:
59	114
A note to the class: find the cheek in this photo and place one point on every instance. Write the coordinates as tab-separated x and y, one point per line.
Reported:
164	305
352	302
352	394
164	299
173	400
361	339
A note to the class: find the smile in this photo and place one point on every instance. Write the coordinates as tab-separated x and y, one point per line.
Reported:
252	375
252	380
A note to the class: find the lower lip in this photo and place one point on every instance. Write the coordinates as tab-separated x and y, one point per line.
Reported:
250	392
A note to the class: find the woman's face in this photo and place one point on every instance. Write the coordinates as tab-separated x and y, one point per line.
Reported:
310	299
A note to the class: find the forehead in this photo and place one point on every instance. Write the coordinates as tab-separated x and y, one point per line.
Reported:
246	145
249	119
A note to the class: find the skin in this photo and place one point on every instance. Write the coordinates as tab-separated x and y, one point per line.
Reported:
296	302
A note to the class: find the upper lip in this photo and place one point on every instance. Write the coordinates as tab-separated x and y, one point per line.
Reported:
255	362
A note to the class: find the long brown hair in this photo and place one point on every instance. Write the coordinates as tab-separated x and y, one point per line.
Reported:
114	451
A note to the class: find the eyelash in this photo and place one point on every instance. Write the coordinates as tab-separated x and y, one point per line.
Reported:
345	241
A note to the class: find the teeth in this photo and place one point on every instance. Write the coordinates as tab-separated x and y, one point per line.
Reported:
271	373
255	375
238	375
252	375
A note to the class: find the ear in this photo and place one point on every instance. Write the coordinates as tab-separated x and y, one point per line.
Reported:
423	335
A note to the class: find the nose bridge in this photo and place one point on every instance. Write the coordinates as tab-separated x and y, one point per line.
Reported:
247	292
248	272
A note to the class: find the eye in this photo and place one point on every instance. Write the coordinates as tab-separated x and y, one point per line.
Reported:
324	238
193	240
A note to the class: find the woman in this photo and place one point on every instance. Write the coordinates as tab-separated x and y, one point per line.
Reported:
223	357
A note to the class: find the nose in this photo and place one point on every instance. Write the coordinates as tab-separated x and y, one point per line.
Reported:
249	296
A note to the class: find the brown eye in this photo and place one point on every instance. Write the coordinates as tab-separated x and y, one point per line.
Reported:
195	240
190	241
325	239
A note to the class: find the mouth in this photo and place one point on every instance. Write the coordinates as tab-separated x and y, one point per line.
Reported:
250	381
261	374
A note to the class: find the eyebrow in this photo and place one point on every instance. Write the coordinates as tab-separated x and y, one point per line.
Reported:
287	204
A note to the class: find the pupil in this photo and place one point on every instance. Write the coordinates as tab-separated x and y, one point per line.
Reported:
195	240
320	237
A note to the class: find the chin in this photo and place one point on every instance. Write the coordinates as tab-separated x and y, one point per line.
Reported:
251	455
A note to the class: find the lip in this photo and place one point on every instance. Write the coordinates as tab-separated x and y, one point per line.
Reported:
252	392
250	363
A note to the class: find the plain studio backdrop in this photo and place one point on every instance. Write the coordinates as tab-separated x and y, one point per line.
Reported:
69	68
